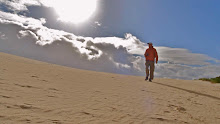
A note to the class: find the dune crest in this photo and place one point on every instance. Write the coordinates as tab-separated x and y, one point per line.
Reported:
38	92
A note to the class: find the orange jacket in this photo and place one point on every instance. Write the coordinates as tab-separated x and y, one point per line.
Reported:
151	54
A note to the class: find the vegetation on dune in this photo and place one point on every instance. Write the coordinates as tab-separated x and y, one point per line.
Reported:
213	80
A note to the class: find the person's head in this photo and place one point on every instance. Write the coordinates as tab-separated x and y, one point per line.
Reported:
150	44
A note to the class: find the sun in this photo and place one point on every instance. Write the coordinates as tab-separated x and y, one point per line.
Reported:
75	11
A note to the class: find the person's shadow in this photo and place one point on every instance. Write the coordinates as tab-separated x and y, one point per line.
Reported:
190	91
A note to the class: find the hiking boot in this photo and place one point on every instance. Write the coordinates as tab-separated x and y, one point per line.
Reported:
150	80
146	78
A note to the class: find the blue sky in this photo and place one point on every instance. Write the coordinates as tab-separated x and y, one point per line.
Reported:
185	33
191	24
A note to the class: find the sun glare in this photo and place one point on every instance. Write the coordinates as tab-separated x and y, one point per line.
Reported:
75	11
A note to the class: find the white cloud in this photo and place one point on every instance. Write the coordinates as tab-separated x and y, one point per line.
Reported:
29	38
98	23
20	20
2	36
182	56
43	20
186	72
19	5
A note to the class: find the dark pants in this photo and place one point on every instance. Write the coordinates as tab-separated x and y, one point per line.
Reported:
151	65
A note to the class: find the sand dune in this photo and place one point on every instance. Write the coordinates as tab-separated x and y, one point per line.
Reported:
37	92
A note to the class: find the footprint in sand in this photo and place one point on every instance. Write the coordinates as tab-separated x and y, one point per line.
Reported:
177	108
158	118
166	111
26	106
180	109
87	113
26	86
54	89
51	96
5	96
44	80
56	122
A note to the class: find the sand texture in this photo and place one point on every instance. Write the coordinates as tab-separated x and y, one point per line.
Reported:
41	93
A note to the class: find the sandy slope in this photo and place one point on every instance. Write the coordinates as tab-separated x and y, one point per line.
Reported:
37	92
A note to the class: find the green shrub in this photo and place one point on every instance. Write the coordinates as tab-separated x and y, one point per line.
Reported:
213	80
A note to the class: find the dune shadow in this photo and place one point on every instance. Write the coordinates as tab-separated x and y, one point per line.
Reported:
189	91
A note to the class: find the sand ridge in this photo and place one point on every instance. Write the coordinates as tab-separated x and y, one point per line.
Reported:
38	92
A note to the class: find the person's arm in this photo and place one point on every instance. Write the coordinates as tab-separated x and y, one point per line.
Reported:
156	55
145	54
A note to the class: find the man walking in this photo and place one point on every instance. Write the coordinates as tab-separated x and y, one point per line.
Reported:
150	55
